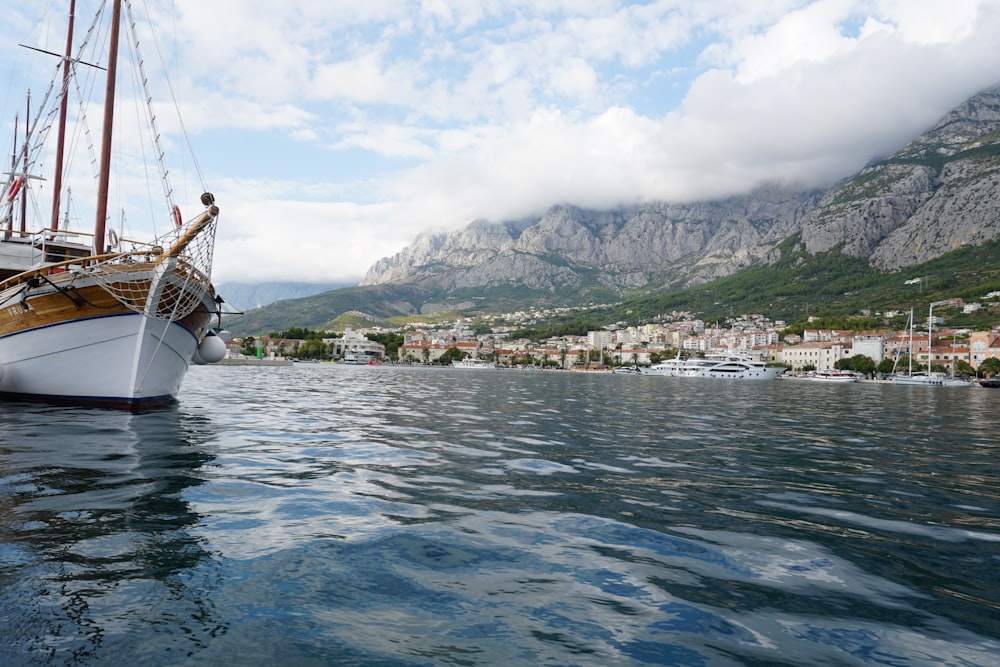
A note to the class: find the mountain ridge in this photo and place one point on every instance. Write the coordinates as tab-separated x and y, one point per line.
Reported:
937	193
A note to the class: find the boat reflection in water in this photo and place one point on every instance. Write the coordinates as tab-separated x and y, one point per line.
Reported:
96	536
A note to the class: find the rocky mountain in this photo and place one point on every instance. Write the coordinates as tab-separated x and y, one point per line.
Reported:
937	194
651	245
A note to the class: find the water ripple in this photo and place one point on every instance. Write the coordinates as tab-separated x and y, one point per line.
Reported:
409	516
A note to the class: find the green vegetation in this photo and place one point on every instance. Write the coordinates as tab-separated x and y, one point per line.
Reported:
320	310
300	333
354	320
836	289
312	348
391	341
990	367
450	355
859	363
554	329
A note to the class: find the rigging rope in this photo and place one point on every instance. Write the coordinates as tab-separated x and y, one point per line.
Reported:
168	191
173	97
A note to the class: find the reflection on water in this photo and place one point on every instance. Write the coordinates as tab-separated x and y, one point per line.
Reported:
406	516
95	544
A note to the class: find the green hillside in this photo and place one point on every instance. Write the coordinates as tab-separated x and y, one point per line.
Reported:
832	284
322	311
829	285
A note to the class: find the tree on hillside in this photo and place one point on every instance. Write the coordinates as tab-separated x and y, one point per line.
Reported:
481	329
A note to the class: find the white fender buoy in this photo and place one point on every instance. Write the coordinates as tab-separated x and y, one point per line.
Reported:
211	349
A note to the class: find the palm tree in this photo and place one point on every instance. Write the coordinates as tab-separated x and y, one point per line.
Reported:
990	367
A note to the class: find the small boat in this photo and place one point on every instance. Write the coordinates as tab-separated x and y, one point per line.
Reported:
923	379
361	358
833	375
990	383
470	363
87	317
727	366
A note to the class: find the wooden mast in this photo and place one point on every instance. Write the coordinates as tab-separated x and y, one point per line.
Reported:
109	115
24	166
60	143
13	172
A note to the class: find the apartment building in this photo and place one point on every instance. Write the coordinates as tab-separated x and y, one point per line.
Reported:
817	354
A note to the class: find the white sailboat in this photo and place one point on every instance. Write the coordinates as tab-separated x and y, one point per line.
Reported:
928	379
87	317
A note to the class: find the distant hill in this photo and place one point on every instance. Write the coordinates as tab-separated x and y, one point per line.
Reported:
246	296
372	304
938	196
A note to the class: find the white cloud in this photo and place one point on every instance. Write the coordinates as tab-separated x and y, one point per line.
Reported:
358	125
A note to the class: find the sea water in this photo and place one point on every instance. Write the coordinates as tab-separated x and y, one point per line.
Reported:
336	515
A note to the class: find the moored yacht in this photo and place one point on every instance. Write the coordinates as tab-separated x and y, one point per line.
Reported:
923	379
473	363
833	375
730	366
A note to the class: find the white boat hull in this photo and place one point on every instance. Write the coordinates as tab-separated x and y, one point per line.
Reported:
89	317
834	377
125	360
730	367
472	364
921	380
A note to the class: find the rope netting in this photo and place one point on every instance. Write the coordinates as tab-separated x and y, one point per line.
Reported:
166	279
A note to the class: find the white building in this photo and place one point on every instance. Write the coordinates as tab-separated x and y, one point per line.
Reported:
870	346
600	339
818	355
355	347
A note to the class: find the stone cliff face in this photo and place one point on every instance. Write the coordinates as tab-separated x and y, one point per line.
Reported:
620	249
940	192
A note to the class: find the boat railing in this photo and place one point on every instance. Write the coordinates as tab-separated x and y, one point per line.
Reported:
113	262
66	244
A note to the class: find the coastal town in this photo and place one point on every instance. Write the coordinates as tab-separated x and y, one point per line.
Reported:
956	351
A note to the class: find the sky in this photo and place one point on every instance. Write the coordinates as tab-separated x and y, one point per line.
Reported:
332	133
